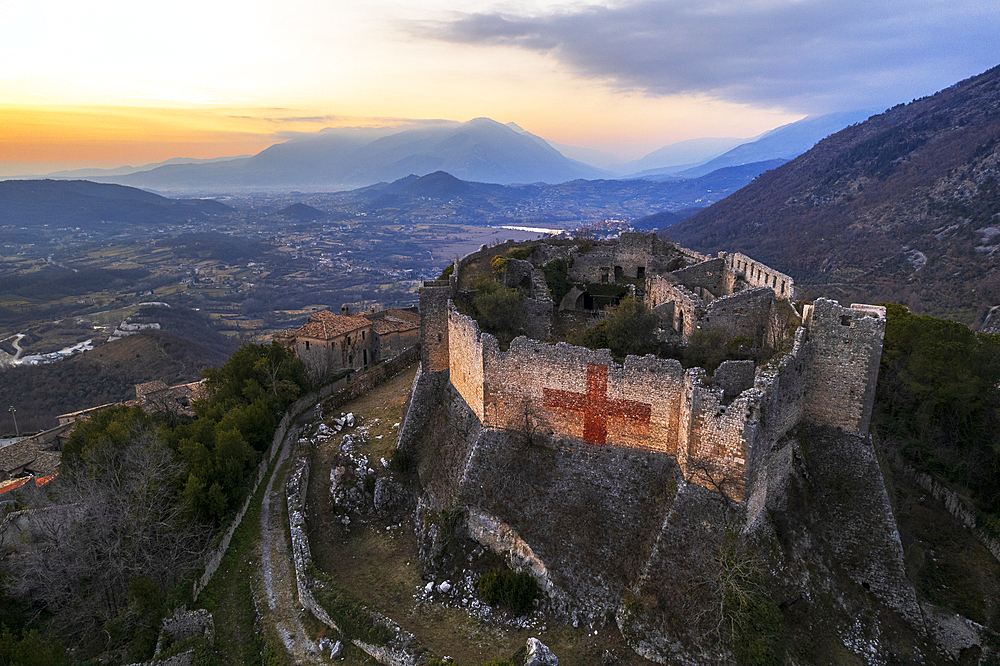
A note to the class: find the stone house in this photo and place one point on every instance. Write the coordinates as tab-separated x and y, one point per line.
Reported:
329	343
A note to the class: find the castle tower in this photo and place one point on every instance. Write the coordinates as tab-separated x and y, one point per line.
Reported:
844	356
434	296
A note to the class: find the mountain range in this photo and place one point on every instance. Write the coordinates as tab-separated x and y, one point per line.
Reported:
337	159
479	150
585	201
81	203
903	207
785	142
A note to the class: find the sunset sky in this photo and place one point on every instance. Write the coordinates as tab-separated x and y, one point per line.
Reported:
112	82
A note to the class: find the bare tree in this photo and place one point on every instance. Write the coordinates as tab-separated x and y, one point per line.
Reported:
115	519
708	472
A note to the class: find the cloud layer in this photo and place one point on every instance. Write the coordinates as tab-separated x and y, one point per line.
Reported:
804	55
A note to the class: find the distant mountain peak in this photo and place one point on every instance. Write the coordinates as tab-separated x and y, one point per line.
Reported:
480	150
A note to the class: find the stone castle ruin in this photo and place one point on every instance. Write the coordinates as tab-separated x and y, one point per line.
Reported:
615	484
716	428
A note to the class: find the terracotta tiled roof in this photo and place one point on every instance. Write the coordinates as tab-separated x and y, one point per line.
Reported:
325	325
387	324
14	484
405	315
143	390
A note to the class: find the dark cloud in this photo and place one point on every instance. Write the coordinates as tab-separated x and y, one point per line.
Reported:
804	55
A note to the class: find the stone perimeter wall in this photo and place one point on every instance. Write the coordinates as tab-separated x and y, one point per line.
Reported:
569	393
759	275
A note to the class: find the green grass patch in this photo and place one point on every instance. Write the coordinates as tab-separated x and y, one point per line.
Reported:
229	597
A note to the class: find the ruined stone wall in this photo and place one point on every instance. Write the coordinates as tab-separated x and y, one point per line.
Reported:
518	274
549	250
734	377
783	385
633	252
466	360
538	309
688	307
719	435
845	350
758	275
571	392
750	313
705	279
595	265
572	395
434	296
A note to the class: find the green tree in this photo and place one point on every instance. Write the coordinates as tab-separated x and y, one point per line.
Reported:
498	309
557	278
629	328
115	427
938	400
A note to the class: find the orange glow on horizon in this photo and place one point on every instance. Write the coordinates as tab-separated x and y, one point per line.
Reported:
123	135
38	139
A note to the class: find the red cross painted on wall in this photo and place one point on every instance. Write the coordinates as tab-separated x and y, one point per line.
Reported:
595	405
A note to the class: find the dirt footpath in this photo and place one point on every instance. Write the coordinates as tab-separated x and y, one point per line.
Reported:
276	568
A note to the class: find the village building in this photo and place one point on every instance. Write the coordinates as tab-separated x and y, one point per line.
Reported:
32	458
329	343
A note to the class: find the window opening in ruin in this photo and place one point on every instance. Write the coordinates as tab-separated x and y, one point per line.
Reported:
350	359
362	335
605	273
680	322
307	345
845	320
365	356
640	272
619	274
439	337
348	339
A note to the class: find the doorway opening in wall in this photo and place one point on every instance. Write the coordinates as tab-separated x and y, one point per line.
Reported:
365	352
619	274
640	272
